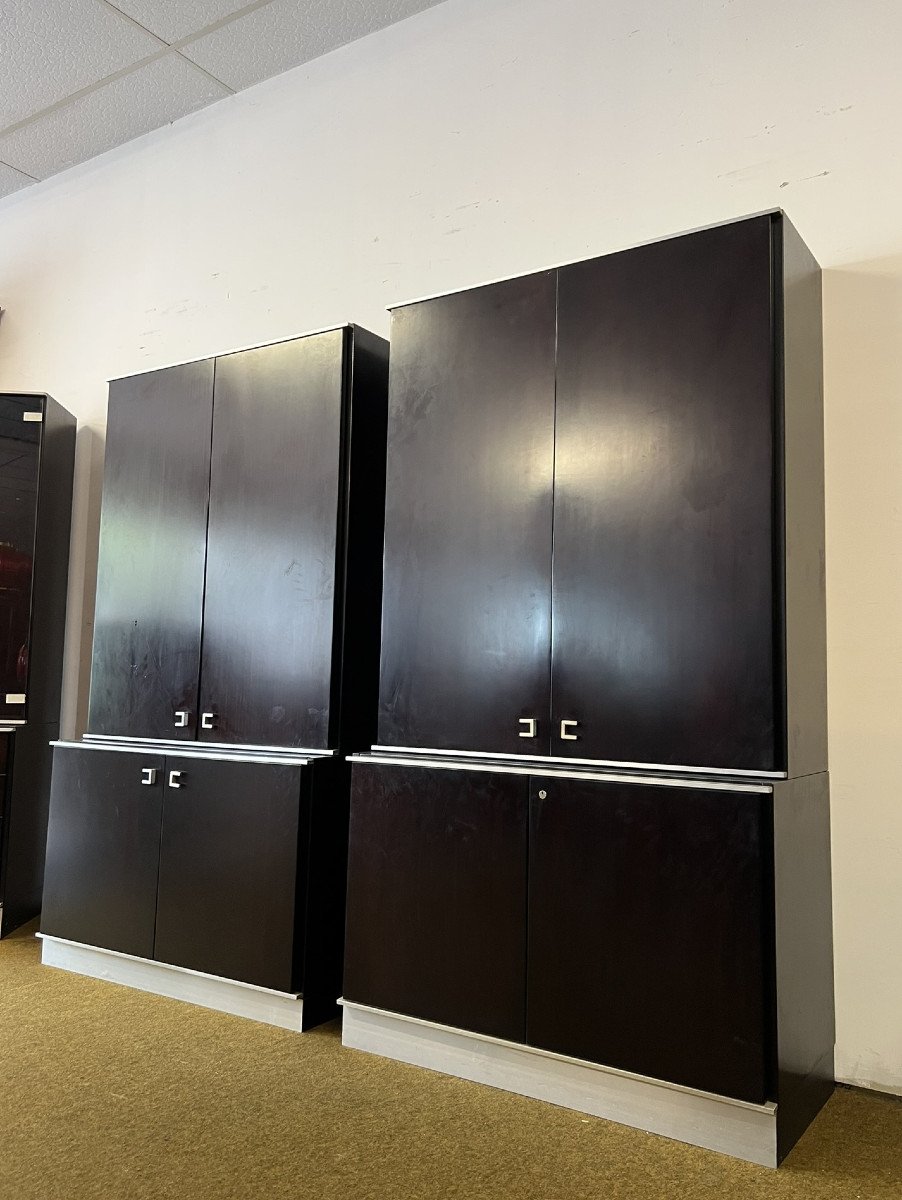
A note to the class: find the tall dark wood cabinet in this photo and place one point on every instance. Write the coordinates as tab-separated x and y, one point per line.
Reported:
37	459
201	825
604	617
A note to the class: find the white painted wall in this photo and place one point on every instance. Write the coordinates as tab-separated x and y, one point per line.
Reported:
486	138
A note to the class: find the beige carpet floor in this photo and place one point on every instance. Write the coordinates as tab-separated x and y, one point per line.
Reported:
107	1092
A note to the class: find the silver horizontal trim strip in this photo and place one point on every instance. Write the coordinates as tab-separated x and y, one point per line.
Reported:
175	744
540	759
553	772
571	262
171	752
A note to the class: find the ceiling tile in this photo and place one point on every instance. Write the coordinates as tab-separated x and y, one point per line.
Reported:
12	180
52	48
174	19
285	33
153	95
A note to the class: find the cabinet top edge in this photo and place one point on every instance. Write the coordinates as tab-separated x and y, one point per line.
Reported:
570	262
351	326
551	771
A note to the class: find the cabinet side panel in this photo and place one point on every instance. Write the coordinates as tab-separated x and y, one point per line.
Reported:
357	654
664	642
153	533
436	923
103	849
467	592
274	501
803	425
804	954
51	564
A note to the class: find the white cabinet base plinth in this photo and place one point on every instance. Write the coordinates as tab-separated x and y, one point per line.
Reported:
743	1130
178	983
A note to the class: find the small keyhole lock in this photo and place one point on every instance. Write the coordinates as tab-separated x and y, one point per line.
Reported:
543	795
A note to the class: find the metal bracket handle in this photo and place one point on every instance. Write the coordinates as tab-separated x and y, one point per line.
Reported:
569	737
174	777
532	727
208	720
148	775
181	719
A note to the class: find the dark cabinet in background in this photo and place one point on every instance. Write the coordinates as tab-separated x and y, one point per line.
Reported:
37	458
235	661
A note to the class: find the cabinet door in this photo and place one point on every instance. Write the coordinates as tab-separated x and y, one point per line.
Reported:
228	869
20	445
153	532
466	602
437	896
664	542
103	847
274	497
647	930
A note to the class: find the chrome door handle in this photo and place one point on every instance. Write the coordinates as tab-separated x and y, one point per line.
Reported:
148	775
174	777
181	719
208	721
532	726
569	737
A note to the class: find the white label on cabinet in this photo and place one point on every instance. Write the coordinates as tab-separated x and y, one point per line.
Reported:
15	697
32	416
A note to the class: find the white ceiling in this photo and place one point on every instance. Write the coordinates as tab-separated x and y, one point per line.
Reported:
82	76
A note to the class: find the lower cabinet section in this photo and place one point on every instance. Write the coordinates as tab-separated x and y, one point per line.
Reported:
437	897
647	926
638	924
231	868
232	863
103	849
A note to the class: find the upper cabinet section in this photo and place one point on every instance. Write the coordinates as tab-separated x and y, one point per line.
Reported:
467	607
230	488
594	474
153	534
664	648
37	452
271	544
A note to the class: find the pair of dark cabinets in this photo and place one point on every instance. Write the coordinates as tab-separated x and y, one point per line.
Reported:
235	661
37	456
